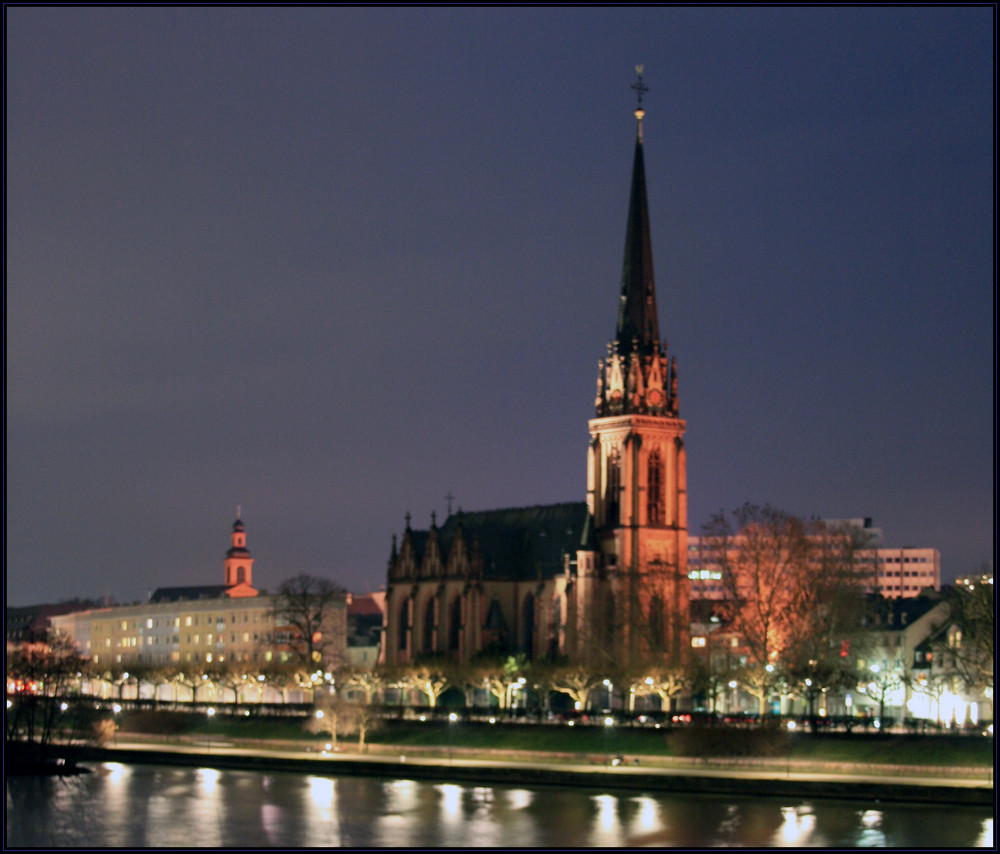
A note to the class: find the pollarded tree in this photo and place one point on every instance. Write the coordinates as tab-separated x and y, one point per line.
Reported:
577	681
499	676
663	681
431	678
368	682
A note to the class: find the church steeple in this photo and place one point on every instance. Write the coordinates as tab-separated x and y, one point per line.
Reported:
636	463
636	376
239	563
637	318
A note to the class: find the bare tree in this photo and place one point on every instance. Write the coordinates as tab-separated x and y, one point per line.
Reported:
882	684
971	644
764	557
39	677
828	633
310	616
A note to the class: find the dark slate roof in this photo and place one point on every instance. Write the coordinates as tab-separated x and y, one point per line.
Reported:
178	594
637	318
897	614
523	543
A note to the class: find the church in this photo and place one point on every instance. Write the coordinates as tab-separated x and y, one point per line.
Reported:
599	581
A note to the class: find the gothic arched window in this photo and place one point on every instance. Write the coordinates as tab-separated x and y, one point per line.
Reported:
404	623
555	626
455	624
612	495
528	629
429	626
654	489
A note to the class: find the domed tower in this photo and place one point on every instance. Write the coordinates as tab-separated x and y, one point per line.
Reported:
636	469
239	563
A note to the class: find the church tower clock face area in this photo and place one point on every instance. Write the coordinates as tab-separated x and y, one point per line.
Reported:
636	468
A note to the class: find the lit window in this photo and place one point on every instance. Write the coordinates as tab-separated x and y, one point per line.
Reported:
697	642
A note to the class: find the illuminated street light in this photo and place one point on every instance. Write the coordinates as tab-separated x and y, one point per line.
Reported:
452	717
211	714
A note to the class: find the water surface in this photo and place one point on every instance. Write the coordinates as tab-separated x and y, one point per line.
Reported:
136	806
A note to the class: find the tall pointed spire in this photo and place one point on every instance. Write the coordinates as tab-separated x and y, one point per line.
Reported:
637	318
636	376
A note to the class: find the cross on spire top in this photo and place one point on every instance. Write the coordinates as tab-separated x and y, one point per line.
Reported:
639	87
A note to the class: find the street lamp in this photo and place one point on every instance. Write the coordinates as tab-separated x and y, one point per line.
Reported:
116	709
211	714
452	717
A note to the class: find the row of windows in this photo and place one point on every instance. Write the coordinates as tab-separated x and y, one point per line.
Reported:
175	639
154	623
883	573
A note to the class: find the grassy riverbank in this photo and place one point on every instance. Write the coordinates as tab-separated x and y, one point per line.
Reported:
586	743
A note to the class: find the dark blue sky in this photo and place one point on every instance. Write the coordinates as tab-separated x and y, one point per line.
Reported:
331	264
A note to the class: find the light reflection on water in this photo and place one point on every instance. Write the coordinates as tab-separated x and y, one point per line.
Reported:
154	806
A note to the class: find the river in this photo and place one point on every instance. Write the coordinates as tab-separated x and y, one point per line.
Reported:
140	806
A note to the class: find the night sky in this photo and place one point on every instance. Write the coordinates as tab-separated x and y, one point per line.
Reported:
333	264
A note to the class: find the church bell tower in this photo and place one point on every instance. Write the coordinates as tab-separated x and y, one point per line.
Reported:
239	563
636	470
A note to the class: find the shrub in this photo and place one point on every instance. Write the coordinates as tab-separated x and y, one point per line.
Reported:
103	732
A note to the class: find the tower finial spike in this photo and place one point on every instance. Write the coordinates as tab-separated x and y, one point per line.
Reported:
640	89
239	511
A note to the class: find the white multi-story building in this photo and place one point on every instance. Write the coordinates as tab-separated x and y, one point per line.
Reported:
208	625
895	572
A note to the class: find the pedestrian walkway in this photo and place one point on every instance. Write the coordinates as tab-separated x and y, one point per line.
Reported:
794	778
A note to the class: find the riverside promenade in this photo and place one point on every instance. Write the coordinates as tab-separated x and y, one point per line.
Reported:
773	777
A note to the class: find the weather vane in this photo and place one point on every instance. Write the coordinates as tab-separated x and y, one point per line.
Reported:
639	87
